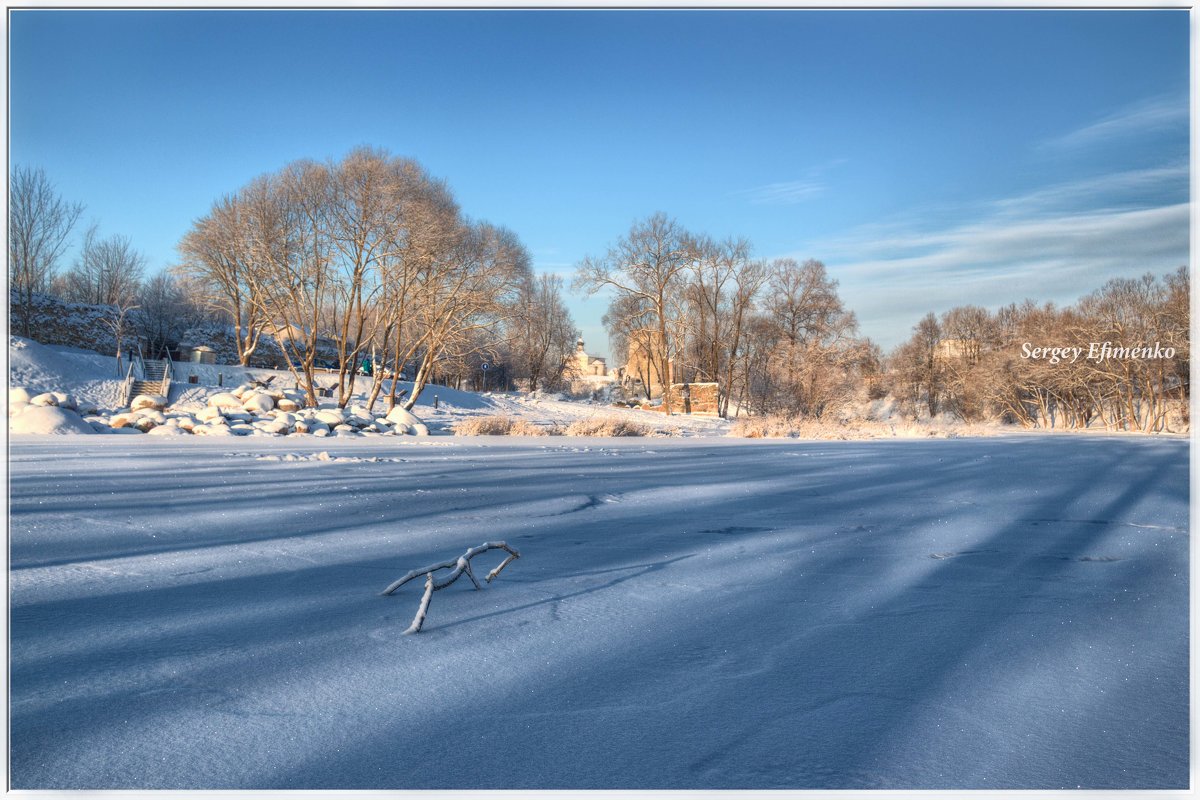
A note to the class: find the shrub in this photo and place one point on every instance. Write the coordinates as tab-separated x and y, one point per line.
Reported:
606	426
498	426
776	427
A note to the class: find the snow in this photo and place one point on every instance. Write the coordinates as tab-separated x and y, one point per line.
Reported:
44	420
1001	613
91	377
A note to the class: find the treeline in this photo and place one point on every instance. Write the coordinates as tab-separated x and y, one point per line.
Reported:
774	334
1119	358
369	258
366	258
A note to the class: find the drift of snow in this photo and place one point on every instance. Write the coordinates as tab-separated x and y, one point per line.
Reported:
44	420
1002	613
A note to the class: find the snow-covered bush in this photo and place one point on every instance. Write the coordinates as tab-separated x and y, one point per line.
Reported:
607	426
782	427
498	426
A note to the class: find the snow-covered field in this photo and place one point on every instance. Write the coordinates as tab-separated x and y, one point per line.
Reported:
1009	612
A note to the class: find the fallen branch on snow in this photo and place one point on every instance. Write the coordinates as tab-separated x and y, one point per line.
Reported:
459	566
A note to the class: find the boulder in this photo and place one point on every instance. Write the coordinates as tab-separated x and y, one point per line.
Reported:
45	399
154	414
287	404
208	414
155	401
168	430
38	419
19	394
401	415
225	400
258	402
330	416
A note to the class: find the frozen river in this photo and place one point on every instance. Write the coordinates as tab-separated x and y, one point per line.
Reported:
995	613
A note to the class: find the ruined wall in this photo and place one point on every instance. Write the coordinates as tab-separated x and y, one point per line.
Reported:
703	399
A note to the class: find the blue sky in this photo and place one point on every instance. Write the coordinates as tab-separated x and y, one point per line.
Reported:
929	158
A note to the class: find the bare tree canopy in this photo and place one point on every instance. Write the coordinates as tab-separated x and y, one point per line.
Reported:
352	263
649	265
40	222
106	272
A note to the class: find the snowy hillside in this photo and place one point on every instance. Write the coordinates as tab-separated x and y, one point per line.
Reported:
686	613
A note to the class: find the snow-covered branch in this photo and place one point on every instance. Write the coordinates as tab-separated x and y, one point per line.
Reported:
458	566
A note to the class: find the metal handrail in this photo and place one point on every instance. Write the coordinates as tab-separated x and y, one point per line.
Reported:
168	373
128	388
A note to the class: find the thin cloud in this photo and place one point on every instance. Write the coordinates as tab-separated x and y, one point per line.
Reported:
786	193
791	192
1044	245
1149	116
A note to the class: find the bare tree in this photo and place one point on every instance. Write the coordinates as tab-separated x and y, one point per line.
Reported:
216	256
812	354
106	271
466	291
649	263
39	224
541	333
164	311
919	366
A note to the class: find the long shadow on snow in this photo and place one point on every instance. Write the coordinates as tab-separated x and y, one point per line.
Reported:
848	757
899	477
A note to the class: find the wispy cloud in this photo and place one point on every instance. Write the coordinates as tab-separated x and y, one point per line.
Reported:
1128	189
786	193
1148	116
1041	245
791	192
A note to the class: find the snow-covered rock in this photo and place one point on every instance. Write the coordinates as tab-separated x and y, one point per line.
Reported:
155	401
225	400
127	430
153	414
168	430
330	416
45	399
122	420
402	415
17	407
287	404
258	402
19	394
49	419
208	414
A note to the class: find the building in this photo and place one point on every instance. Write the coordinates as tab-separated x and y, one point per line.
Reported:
587	365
